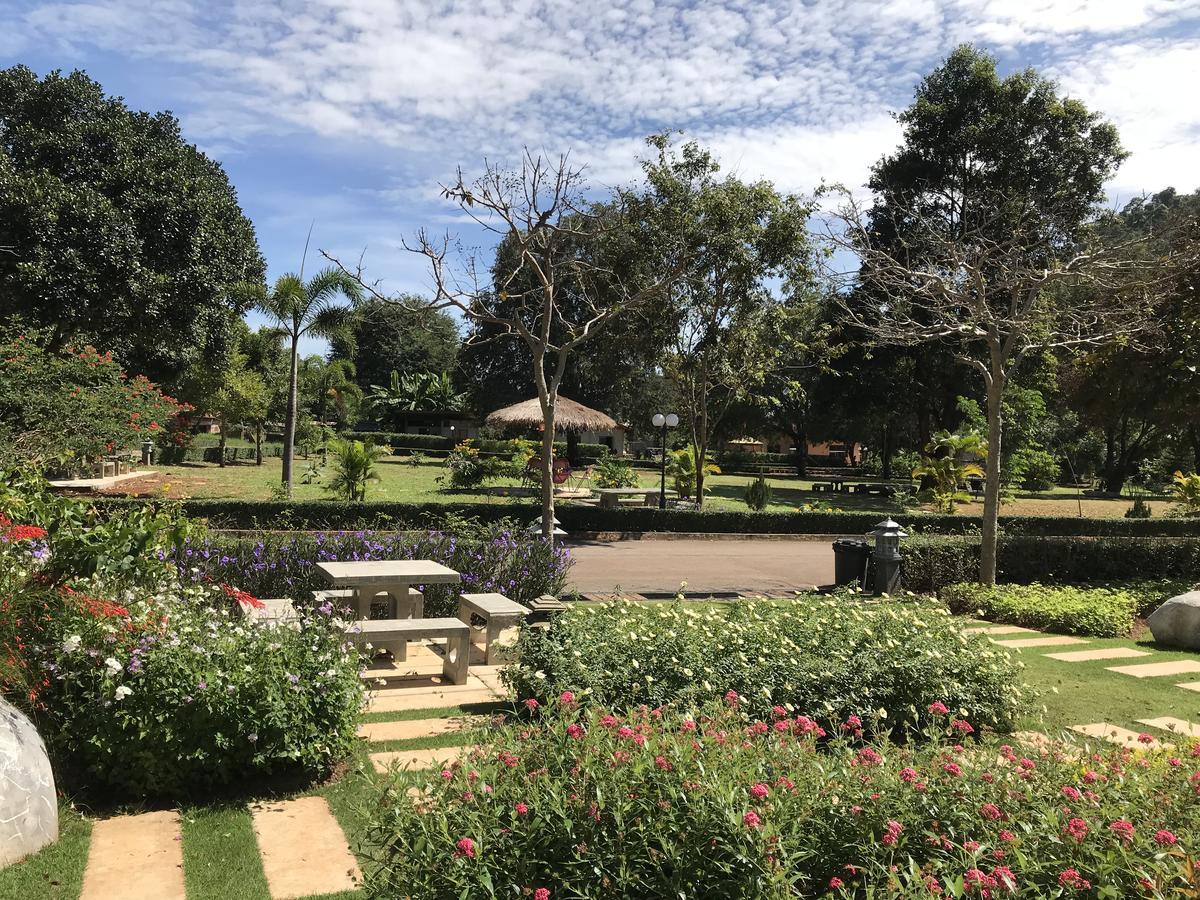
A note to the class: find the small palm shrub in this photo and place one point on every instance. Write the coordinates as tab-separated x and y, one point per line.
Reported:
1186	490
718	801
681	466
758	493
353	468
830	656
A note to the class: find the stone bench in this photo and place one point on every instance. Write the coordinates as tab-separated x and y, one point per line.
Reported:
275	611
497	612
342	597
394	635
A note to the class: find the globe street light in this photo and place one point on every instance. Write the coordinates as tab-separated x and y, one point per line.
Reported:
664	421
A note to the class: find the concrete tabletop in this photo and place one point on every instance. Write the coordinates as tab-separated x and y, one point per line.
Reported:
388	571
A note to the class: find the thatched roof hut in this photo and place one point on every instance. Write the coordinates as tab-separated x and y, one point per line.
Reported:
568	416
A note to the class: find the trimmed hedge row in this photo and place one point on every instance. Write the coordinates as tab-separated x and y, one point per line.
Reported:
332	514
933	562
435	443
169	456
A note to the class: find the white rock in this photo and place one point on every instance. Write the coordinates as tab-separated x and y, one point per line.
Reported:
28	805
1177	622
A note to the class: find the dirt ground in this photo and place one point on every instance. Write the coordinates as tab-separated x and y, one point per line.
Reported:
167	487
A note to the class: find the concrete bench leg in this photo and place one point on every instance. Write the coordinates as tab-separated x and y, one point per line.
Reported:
458	656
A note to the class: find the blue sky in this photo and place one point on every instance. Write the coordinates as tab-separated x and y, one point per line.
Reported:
347	113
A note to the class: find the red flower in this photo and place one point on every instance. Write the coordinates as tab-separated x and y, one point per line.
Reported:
541	894
1164	838
1122	829
759	791
14	533
1076	828
751	820
1070	878
835	883
531	704
465	847
938	708
521	809
991	811
242	597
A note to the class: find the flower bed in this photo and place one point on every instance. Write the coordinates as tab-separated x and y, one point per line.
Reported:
832	657
584	803
497	558
1101	612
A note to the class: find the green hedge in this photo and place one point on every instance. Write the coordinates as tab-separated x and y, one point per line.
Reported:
437	443
1065	609
332	514
934	562
170	456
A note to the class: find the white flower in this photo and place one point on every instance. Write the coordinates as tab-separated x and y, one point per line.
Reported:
122	692
71	644
112	665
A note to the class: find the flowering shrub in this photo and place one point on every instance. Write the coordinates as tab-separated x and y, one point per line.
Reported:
832	657
75	404
516	564
142	686
1102	612
584	803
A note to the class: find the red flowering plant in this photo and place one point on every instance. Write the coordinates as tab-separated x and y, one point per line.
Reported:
64	407
577	801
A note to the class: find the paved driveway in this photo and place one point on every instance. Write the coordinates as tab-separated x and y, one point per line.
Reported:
767	566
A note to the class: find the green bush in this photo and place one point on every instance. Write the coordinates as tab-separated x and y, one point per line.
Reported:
829	657
758	493
610	472
712	803
1034	470
1100	612
931	562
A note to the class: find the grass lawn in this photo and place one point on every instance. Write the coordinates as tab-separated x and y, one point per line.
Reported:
402	481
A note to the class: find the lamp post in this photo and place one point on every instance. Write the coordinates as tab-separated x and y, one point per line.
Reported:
887	536
663	421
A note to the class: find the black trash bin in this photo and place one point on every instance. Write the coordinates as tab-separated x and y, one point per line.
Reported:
850	561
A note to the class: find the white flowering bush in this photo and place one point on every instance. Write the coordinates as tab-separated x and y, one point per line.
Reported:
831	657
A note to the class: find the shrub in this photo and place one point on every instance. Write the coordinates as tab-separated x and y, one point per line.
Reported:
1186	491
466	467
609	472
1140	509
830	657
681	466
353	468
1102	612
758	493
584	803
496	558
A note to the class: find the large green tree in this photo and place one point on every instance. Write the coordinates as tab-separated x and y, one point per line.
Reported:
405	337
980	231
122	234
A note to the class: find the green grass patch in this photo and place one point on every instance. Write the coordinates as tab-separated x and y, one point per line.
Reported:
220	855
56	873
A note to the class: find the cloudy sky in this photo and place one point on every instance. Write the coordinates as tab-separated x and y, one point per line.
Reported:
349	112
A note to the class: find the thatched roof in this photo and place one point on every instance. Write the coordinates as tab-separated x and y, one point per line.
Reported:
568	415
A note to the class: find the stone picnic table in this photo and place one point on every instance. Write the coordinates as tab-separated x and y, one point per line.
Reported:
368	579
611	497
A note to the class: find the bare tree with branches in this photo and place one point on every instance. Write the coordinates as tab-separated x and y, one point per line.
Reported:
1000	293
548	287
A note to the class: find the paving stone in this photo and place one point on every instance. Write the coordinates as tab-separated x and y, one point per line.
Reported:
404	699
1190	686
434	757
135	858
1115	734
1155	670
1177	726
1056	640
303	849
1098	653
1000	629
410	729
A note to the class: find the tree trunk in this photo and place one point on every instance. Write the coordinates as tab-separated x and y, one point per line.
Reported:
573	447
1194	435
289	422
221	445
885	453
700	444
801	436
258	441
548	468
991	485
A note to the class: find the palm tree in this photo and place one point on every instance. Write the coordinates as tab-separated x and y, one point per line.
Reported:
353	468
300	308
326	382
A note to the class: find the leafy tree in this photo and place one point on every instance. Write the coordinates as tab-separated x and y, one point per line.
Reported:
241	397
419	392
123	235
328	389
980	231
405	337
738	239
299	308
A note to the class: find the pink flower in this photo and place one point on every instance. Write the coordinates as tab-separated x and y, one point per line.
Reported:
521	809
1122	829
688	725
531	704
836	883
731	697
576	730
892	834
952	769
779	712
1071	793
751	820
991	811
852	723
1076	828
663	763
868	757
759	791
465	847
447	774
1005	877
1070	878
1007	836
938	708
963	726
908	774
567	698
541	894
1164	838
1145	738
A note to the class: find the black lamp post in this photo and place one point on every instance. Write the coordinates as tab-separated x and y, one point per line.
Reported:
664	421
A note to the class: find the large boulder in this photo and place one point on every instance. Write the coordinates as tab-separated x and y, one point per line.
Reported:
1177	622
28	806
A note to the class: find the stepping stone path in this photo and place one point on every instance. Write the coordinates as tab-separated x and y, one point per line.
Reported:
303	849
1176	726
1157	670
135	858
999	629
1115	734
1098	653
1190	686
1056	640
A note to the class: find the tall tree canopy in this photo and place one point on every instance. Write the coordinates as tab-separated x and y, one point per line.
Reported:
121	233
405	337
